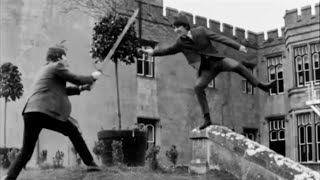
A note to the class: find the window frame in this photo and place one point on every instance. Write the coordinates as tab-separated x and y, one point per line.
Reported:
146	60
316	82
154	123
250	132
277	125
313	122
311	66
246	87
278	58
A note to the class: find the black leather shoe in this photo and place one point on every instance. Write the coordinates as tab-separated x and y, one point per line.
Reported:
93	167
205	124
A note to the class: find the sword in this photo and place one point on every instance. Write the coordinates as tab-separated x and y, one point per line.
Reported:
116	44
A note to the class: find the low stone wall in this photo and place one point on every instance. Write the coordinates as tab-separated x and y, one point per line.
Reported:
218	147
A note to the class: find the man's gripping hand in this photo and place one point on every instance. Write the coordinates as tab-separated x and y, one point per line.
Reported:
96	75
86	87
148	51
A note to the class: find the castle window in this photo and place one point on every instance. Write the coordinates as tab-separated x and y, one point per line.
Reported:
307	64
277	135
275	72
246	87
151	126
308	137
250	133
145	65
315	53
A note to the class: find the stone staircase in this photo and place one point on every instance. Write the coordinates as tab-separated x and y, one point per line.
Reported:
219	148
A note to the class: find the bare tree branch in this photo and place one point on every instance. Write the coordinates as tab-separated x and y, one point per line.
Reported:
94	8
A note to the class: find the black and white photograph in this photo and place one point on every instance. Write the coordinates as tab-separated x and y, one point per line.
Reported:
159	89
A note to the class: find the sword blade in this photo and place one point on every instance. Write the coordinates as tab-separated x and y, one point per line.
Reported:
120	37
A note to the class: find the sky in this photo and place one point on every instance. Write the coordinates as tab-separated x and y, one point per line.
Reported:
254	15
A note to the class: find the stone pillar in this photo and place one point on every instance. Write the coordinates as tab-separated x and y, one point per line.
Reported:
201	145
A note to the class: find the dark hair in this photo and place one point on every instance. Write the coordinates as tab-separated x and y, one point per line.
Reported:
181	19
54	53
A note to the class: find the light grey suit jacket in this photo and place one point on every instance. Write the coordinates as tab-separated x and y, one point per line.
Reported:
49	94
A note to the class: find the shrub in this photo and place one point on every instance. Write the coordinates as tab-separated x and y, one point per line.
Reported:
4	162
172	155
58	159
75	152
43	156
12	154
4	159
117	152
99	148
151	156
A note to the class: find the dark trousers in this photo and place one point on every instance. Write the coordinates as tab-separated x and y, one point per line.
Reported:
210	68
33	124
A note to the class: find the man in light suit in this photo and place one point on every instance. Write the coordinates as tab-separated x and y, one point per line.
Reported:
49	107
196	45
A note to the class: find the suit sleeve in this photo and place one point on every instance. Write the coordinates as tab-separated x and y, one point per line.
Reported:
167	50
63	72
221	39
73	90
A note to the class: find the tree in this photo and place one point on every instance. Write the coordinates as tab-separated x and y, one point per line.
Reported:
105	34
11	87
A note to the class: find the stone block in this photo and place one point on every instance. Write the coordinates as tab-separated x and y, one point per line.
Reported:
221	148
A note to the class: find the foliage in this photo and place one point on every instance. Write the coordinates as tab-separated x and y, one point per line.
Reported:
43	156
117	152
11	87
105	34
99	148
4	161
75	152
172	155
58	159
42	161
7	155
12	154
94	8
151	156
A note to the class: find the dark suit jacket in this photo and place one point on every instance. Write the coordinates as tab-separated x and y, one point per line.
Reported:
49	94
201	45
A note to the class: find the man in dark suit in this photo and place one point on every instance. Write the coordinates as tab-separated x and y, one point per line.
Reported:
49	107
196	45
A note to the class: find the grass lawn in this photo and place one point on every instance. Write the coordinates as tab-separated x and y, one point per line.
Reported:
115	173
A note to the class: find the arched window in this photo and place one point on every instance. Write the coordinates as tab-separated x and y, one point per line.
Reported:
151	126
280	85
246	86
318	141
307	64
277	139
250	133
306	67
281	135
308	137
316	66
273	136
150	133
275	72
